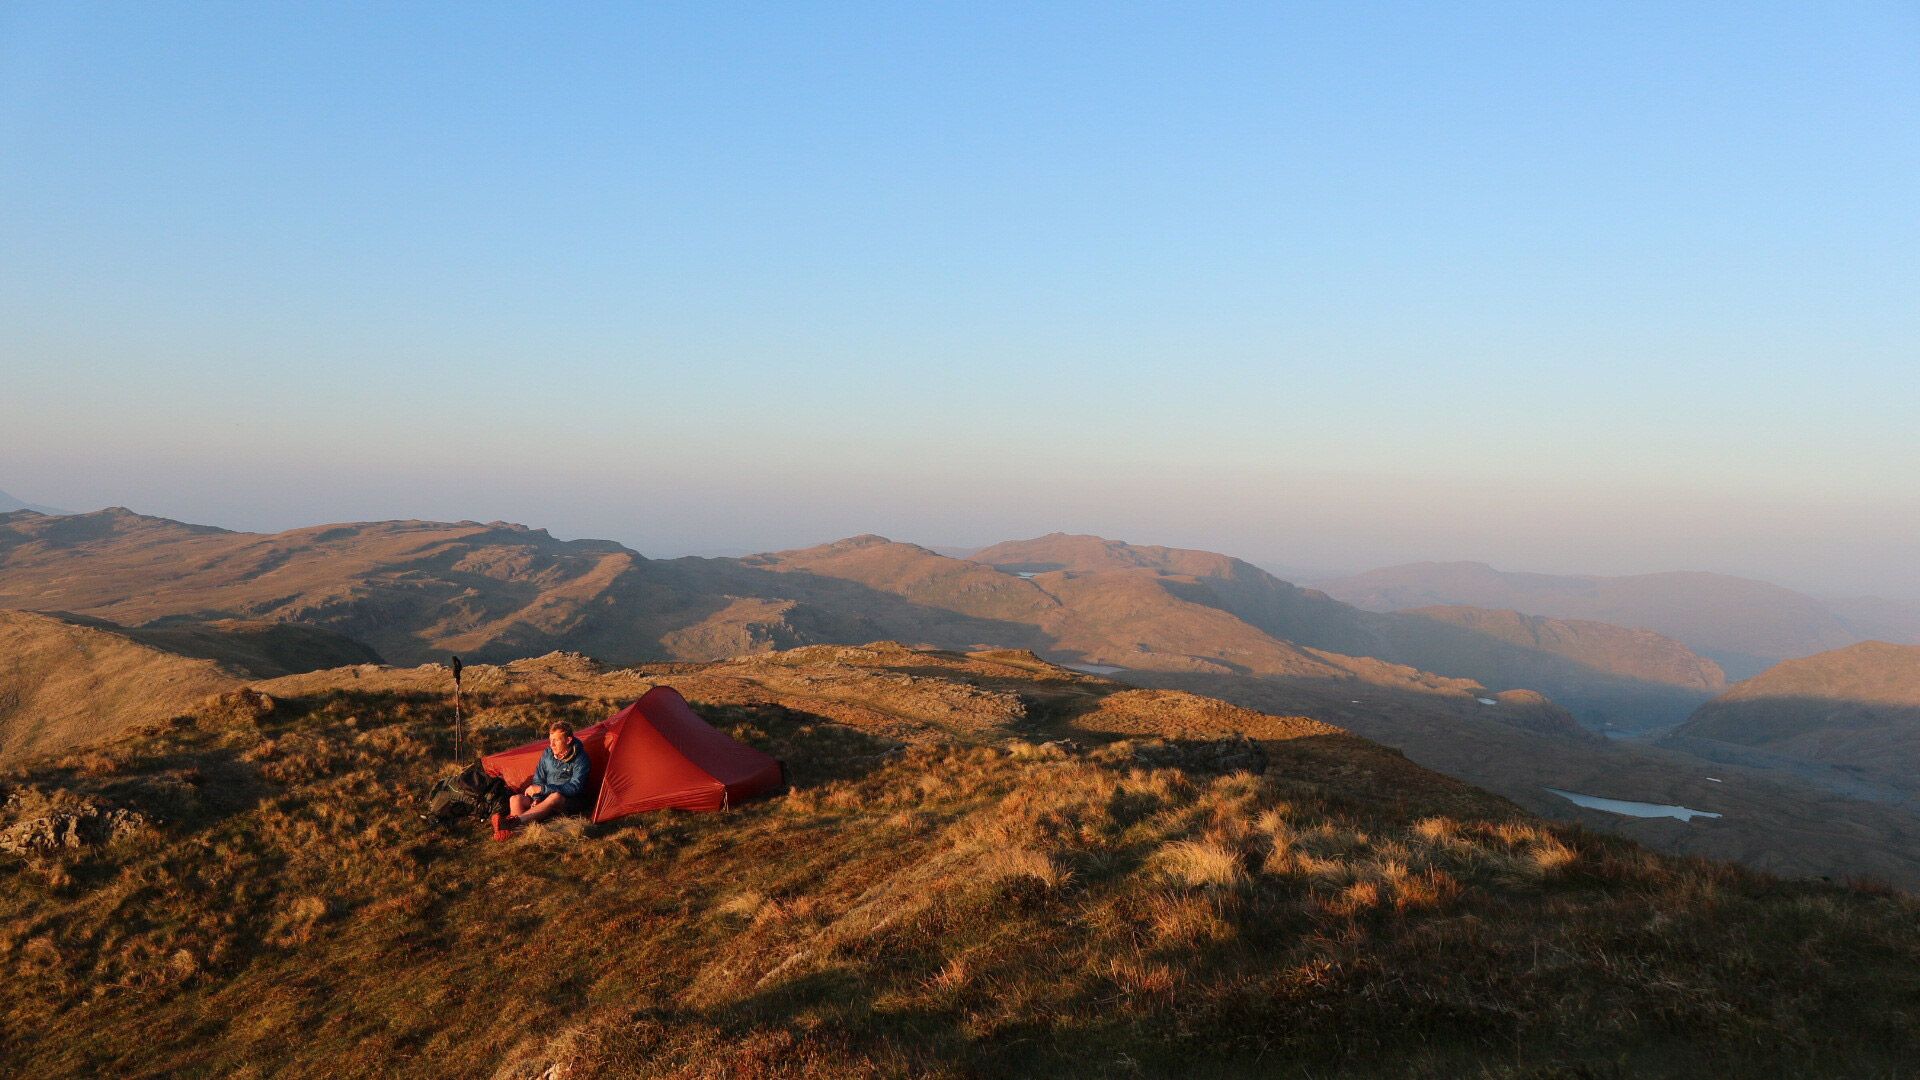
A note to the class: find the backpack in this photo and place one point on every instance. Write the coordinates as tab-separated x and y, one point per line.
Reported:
471	792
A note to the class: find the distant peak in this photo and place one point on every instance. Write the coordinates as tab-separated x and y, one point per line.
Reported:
1058	537
120	514
9	504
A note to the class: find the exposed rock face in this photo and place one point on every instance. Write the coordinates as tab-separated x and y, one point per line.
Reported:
1038	868
1237	754
245	705
33	823
1857	707
750	624
1173	620
913	696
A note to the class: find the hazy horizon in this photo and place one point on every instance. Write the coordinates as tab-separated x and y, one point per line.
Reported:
1563	289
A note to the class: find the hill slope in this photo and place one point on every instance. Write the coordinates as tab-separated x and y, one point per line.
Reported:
67	681
1610	675
422	590
1140	621
1857	707
1743	625
412	590
940	895
417	590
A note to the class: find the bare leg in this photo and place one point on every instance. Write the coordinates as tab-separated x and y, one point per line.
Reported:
542	810
504	824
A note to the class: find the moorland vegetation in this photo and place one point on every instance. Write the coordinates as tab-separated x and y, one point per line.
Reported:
985	866
1458	689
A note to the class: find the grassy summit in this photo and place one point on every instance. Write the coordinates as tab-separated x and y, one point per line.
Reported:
987	866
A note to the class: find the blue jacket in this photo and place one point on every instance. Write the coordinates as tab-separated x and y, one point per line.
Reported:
567	777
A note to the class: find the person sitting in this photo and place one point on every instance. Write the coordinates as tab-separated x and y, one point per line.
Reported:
559	784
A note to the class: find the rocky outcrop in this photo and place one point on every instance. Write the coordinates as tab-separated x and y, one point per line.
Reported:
33	822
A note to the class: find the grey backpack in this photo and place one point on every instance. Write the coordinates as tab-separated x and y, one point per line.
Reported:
471	792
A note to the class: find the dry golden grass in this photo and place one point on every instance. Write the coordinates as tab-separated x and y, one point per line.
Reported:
943	909
1206	863
66	684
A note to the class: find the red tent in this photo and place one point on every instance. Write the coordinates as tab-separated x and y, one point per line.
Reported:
652	755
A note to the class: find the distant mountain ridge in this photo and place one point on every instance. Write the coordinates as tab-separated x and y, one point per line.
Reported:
416	591
410	589
1613	673
1744	625
1877	618
8	504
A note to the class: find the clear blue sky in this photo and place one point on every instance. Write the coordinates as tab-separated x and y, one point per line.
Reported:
1607	287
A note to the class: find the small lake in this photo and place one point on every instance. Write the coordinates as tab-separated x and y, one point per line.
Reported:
1632	809
1095	669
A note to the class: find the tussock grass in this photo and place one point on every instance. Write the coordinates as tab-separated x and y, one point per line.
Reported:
1206	863
938	910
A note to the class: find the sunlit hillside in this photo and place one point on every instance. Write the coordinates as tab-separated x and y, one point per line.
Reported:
985	866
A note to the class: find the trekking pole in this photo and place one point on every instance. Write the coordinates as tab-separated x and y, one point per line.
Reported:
456	710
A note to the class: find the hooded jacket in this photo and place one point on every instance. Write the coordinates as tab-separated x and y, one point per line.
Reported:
567	777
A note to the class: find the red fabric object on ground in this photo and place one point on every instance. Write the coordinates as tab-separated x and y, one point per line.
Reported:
516	766
655	754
